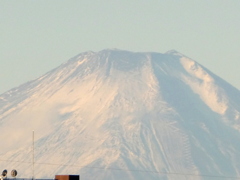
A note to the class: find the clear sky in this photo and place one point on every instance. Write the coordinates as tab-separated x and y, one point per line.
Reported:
38	35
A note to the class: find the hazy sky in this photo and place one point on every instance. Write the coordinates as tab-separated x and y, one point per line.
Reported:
38	35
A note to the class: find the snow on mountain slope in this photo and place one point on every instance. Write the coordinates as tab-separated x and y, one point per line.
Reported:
121	115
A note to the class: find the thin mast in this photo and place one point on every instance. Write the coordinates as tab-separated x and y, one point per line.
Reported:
33	155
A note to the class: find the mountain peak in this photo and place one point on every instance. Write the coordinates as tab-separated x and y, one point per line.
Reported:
174	52
147	115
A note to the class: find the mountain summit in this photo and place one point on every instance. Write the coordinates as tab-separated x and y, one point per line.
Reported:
117	114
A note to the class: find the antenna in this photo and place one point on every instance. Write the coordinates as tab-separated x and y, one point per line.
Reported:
33	155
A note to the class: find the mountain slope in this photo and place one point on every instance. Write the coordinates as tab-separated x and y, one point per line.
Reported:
121	115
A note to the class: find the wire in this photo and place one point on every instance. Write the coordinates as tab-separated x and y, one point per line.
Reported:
130	170
14	161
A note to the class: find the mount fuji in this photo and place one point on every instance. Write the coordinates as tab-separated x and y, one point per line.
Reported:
117	115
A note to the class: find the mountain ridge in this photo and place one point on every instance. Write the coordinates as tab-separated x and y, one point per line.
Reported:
121	110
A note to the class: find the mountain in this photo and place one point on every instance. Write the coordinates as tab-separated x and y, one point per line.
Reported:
117	115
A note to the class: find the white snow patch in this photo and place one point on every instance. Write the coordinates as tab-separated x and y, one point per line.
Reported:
203	84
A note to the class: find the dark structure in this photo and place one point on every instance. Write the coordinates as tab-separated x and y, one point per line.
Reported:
57	177
67	177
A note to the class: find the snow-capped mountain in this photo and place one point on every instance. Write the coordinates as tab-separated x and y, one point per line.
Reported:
122	115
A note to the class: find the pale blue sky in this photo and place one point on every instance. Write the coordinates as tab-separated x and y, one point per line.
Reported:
38	35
